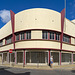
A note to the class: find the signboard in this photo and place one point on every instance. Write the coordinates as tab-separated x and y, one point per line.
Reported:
10	50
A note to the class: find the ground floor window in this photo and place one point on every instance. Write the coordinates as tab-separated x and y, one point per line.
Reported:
74	57
55	57
66	57
36	57
12	57
19	57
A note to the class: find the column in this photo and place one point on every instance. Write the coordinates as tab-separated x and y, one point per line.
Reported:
72	57
48	56
15	57
24	58
60	58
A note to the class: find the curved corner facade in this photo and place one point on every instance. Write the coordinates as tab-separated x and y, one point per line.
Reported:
36	34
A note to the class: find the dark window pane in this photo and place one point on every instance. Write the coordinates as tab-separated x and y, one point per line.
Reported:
17	37
52	35
22	36
28	34
66	38
45	35
57	36
1	42
8	39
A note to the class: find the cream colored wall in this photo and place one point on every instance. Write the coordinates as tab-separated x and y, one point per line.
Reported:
36	34
37	44
72	40
5	30
70	28
7	47
68	47
38	18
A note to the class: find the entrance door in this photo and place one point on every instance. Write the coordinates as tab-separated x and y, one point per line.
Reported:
36	57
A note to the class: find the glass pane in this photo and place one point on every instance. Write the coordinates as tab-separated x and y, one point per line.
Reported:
55	56
37	57
45	35
19	57
28	35
66	57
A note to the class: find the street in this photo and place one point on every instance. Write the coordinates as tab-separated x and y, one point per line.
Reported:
20	71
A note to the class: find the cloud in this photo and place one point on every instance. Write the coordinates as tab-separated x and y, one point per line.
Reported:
5	15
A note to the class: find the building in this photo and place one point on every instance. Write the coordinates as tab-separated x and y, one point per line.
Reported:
36	34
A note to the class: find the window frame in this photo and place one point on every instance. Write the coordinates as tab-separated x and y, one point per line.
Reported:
66	38
8	39
51	35
22	35
17	35
28	35
44	33
57	36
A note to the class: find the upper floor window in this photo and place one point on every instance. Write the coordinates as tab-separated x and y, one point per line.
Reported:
1	42
57	36
74	40
52	35
66	38
8	39
17	36
22	37
45	34
28	34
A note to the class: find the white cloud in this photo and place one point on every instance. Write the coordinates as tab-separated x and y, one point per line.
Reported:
5	15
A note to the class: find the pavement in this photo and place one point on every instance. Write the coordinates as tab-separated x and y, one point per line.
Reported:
62	67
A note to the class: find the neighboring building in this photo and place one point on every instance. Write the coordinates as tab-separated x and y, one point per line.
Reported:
36	34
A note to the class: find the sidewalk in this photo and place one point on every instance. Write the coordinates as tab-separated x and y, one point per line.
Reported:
62	67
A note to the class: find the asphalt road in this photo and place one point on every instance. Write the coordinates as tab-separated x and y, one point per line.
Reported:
19	71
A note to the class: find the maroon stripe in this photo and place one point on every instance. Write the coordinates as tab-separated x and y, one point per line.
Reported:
24	57
49	56
13	23
62	26
60	57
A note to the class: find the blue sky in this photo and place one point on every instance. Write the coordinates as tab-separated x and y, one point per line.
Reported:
19	5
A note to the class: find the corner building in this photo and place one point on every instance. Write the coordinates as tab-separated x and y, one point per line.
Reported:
36	34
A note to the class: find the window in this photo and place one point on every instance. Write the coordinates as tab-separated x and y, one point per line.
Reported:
52	35
1	42
8	39
66	38
57	36
74	40
22	36
28	34
17	37
45	35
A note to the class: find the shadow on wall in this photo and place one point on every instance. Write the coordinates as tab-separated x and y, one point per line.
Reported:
6	72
